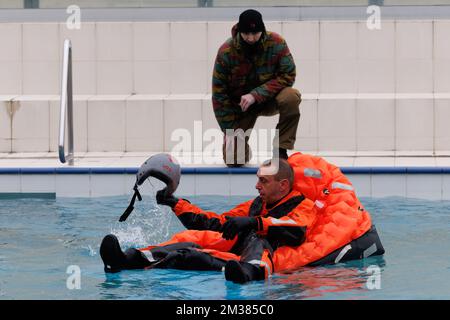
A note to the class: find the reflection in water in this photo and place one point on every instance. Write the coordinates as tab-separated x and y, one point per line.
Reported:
314	283
161	284
324	281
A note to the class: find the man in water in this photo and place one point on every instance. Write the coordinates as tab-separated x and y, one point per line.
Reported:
314	219
241	241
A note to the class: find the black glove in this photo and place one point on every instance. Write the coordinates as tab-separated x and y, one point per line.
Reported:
165	199
234	225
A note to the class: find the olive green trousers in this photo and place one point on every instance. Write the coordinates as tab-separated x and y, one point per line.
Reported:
287	104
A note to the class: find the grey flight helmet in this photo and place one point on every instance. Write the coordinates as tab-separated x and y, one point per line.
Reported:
162	166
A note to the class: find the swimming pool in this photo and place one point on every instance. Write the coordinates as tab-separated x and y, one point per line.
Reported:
40	239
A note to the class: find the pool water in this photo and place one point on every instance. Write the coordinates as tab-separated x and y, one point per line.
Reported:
40	239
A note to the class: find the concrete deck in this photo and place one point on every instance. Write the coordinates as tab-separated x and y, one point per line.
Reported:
361	159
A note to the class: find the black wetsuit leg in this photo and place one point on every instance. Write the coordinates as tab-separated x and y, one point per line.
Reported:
255	262
116	260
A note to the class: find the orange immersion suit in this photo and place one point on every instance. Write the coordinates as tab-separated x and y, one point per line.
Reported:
320	221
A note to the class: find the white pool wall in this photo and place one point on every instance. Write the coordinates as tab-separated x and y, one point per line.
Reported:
363	90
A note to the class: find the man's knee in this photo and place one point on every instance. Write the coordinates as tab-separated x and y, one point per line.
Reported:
289	100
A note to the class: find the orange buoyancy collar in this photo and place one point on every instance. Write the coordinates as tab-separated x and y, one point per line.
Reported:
340	216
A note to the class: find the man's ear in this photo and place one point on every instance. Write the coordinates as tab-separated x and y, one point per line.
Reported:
284	185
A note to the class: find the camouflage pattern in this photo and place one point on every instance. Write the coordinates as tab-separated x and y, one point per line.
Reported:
236	73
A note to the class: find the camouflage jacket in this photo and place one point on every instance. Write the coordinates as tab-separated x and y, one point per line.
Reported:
263	74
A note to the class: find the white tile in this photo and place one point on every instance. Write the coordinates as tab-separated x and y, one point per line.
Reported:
183	46
415	161
107	185
144	125
376	76
338	76
338	40
7	97
114	41
274	26
10	77
5	126
9	162
308	144
414	76
243	185
151	41
130	181
336	125
129	162
208	184
188	77
446	187
193	159
79	125
208	117
72	185
187	186
217	33
412	134
441	72
441	36
106	125
414	39
375	124
114	77
307	132
37	183
376	44
424	186
362	184
151	77
212	135
375	153
10	183
261	138
307	78
30	126
179	117
388	185
442	129
414	153
374	161
105	154
443	161
40	42
41	77
340	161
209	73
83	41
84	77
11	35
302	38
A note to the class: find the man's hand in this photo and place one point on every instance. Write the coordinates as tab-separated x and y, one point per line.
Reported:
234	225
163	198
246	101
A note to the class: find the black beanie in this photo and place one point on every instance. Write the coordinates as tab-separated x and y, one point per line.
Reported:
251	21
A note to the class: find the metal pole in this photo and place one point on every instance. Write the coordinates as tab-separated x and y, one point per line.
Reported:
66	105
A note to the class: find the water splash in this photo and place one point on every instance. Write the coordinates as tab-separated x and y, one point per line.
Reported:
91	250
150	224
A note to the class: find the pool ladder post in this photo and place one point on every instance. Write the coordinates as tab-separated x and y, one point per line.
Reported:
66	106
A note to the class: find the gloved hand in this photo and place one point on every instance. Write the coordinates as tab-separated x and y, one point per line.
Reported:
234	225
165	199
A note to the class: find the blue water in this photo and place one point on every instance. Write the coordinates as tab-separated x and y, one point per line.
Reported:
41	238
